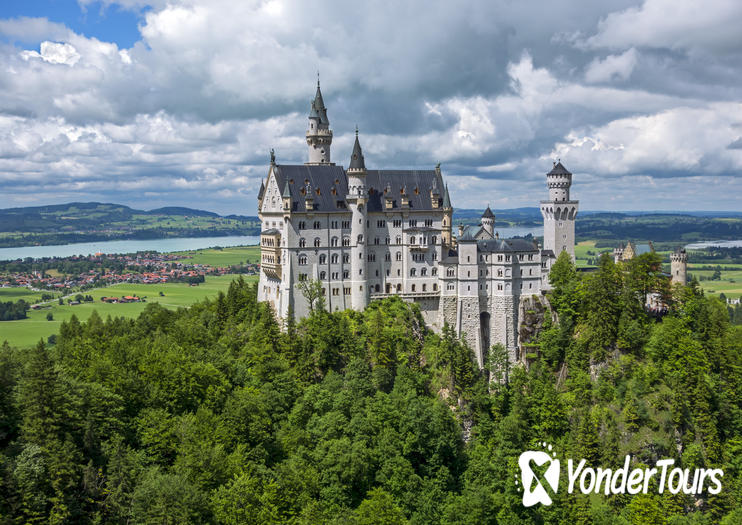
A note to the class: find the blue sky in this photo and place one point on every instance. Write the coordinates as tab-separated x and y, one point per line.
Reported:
178	102
111	23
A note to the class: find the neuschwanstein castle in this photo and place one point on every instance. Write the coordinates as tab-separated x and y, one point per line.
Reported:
367	234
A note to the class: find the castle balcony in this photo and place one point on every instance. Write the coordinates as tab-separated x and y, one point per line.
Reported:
406	295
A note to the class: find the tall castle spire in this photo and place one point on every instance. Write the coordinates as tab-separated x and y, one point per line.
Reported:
319	134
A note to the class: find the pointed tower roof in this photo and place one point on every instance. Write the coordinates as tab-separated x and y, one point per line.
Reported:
488	213
286	191
559	169
446	199
318	109
356	158
262	190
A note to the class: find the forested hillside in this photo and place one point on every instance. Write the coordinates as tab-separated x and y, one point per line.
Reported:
95	221
212	414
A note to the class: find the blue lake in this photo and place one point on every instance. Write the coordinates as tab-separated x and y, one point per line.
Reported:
158	245
709	244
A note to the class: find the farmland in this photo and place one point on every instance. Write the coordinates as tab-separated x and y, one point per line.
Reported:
27	332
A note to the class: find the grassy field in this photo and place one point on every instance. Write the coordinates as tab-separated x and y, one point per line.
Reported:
222	257
15	294
27	332
730	283
581	252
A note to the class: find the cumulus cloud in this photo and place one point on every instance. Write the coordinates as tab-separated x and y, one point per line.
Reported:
188	114
713	26
612	67
54	53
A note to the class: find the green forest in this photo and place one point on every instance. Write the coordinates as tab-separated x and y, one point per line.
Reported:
216	414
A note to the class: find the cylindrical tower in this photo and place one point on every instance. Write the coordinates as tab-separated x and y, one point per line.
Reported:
357	198
319	134
559	213
559	181
488	221
679	267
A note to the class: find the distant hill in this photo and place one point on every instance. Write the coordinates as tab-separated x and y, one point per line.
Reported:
97	221
610	228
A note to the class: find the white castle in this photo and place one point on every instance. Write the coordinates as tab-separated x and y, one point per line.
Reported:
368	234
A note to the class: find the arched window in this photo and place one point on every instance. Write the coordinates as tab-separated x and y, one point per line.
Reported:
388	257
413	287
323	259
346	257
302	260
450	272
334	241
302	225
399	288
360	239
435	287
412	240
346	241
316	225
399	256
434	271
424	272
398	240
334	258
302	243
322	276
433	239
425	286
316	242
413	272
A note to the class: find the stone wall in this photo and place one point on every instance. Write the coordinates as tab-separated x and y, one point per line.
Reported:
430	308
503	324
469	328
447	313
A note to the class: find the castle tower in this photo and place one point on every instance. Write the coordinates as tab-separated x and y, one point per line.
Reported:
618	253
679	267
559	212
488	221
447	221
319	134
357	198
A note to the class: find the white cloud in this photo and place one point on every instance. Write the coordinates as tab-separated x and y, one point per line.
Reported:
191	111
689	140
612	67
672	24
54	53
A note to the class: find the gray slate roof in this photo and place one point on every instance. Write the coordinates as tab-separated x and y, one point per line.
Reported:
397	180
507	245
318	109
559	169
488	214
324	178
356	158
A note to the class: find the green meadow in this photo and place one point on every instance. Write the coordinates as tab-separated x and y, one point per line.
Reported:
730	283
222	257
15	294
27	332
